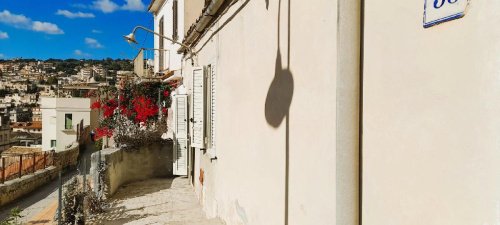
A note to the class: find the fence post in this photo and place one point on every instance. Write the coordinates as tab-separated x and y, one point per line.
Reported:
3	170
34	162
20	166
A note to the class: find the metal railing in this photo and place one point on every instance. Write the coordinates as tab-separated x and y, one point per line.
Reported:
145	65
17	165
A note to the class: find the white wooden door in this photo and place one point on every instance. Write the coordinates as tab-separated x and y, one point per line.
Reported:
180	135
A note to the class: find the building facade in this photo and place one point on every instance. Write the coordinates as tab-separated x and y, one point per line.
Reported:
340	112
60	117
168	21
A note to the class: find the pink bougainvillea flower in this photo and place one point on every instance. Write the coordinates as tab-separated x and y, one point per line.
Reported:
103	132
144	108
95	105
109	108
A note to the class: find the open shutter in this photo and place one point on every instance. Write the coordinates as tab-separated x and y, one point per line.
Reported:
198	137
211	115
180	135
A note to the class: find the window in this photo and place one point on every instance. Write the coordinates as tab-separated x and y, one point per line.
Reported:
174	21
68	121
53	143
211	108
162	55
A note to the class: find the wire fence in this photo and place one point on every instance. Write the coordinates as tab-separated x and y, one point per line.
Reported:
17	165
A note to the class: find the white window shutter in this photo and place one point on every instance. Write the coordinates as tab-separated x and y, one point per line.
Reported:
211	115
198	137
180	135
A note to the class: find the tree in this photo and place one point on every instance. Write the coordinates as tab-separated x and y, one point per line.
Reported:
4	92
52	80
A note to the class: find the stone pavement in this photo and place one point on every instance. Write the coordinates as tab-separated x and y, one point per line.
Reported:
39	207
155	201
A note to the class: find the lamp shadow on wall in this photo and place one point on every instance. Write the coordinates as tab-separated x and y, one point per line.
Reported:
279	98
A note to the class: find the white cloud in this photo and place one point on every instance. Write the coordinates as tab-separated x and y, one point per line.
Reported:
23	22
73	15
80	5
109	6
78	52
134	5
106	6
19	21
45	27
96	31
2	56
93	43
4	35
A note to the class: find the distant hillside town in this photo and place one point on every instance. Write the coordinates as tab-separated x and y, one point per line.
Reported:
23	82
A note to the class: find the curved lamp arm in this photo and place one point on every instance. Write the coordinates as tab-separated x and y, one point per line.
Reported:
131	38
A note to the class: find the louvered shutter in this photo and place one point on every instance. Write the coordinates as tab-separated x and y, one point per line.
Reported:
180	135
211	115
198	137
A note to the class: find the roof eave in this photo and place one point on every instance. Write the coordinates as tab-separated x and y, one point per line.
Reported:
155	6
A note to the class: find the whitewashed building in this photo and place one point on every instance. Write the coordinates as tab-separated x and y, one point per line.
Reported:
341	112
168	21
60	117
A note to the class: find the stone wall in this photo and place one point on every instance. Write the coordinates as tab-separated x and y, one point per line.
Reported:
67	158
13	189
126	166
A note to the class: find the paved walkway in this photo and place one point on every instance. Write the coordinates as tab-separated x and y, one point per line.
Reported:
36	205
156	201
39	207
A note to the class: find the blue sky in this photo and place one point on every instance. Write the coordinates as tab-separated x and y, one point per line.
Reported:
62	29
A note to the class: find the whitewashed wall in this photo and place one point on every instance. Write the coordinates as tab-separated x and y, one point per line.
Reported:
166	12
431	134
246	183
53	119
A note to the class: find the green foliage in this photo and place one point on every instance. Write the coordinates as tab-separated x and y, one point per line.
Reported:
14	217
98	144
4	92
73	203
24	116
32	89
52	80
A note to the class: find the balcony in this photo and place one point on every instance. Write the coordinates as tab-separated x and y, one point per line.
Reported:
146	67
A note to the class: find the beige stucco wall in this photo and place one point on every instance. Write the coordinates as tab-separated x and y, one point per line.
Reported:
431	116
246	183
192	10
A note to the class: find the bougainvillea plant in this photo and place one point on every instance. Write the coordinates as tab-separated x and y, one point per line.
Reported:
133	113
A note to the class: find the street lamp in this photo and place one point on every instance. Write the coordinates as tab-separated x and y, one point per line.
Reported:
130	38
